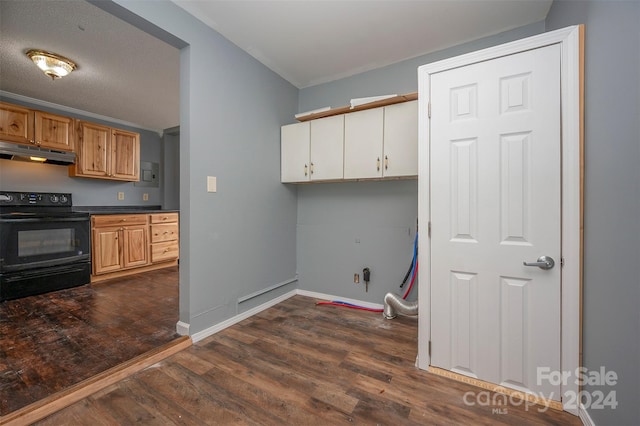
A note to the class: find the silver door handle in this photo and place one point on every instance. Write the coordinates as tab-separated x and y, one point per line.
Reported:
543	262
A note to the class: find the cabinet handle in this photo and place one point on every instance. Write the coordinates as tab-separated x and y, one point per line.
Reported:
386	162
311	168
378	164
305	170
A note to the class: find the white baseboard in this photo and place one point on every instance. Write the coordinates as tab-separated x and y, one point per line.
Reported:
585	417
182	328
196	337
342	299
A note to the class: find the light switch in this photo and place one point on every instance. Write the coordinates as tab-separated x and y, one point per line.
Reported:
212	185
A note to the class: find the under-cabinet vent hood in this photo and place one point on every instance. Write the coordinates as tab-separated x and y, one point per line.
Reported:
12	151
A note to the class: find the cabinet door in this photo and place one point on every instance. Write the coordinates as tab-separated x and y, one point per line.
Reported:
363	144
16	124
125	155
53	131
327	148
135	246
294	152
93	150
107	250
401	139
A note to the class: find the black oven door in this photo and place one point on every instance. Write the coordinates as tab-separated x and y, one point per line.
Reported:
42	241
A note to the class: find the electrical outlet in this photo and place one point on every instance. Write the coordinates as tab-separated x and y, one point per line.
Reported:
120	196
145	197
356	278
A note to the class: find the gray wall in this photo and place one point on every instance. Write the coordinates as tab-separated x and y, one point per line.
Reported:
381	215
25	176
242	238
611	313
171	170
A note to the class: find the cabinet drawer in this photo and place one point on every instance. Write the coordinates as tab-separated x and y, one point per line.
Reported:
164	232
163	217
164	251
118	220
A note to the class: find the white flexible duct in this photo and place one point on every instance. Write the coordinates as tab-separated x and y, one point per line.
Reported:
394	304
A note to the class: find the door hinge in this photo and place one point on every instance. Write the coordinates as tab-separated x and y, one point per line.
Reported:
429	109
562	261
429	347
429	229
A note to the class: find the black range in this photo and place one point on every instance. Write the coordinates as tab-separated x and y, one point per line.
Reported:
44	244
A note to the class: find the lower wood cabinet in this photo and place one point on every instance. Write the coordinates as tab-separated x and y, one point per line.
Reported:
124	244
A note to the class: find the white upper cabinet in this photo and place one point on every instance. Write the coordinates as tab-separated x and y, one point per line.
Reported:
327	145
294	152
401	140
363	144
312	150
369	144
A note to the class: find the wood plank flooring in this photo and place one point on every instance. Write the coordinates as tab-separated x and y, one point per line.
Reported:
52	341
299	364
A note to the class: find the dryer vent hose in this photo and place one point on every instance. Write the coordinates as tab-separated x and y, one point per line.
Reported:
394	305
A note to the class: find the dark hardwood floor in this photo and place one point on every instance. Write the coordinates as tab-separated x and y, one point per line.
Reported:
52	341
300	364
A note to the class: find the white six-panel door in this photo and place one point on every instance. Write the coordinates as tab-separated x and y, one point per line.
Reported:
495	203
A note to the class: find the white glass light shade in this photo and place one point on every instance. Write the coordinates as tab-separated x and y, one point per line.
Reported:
53	65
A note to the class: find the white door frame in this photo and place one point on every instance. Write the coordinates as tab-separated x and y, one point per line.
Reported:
570	40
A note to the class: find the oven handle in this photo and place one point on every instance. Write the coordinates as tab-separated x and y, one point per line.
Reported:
45	219
66	261
43	272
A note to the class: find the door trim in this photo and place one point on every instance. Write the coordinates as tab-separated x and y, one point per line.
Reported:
571	105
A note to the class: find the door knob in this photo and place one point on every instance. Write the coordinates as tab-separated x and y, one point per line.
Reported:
543	262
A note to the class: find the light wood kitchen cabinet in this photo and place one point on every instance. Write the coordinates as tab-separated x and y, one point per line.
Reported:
312	150
106	153
31	127
125	244
382	142
165	245
119	242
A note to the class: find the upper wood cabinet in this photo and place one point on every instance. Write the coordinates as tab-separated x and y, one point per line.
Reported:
312	150
106	153
23	125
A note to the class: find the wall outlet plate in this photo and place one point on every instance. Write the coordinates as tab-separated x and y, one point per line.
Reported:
212	184
120	196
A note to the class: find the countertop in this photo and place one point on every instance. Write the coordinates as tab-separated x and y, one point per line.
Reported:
122	209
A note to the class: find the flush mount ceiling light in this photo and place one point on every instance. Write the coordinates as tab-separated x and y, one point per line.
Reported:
53	65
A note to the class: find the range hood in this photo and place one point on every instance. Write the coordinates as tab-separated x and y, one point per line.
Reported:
13	151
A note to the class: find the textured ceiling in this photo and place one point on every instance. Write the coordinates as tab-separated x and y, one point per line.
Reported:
128	75
309	42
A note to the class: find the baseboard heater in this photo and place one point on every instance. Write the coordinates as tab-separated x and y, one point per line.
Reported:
266	290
